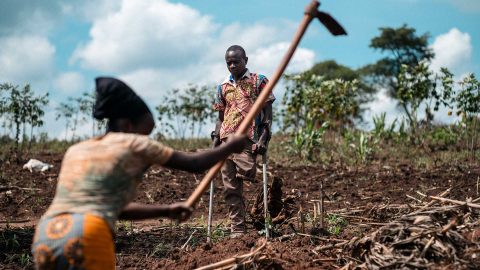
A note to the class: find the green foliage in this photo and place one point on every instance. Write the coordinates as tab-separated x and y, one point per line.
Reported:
331	70
9	241
312	105
443	93
185	109
468	98
380	129
403	47
66	111
415	85
309	98
440	138
77	111
468	105
160	250
402	132
307	139
364	147
336	223
219	232
25	259
22	108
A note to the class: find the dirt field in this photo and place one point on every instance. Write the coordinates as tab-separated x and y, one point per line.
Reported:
358	201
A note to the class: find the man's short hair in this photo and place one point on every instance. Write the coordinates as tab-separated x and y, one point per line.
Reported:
237	48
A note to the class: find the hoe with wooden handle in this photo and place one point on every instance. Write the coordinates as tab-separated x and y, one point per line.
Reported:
311	12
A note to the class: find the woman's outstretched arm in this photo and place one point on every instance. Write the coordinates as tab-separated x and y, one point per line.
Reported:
137	211
201	161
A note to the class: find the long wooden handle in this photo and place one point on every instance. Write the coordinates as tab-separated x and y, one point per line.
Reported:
260	102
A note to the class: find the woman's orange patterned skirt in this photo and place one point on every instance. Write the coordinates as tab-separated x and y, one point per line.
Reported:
73	241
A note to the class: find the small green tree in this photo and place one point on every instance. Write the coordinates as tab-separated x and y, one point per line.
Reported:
418	85
185	109
415	85
23	108
311	105
171	118
310	98
36	113
468	105
3	108
196	104
65	110
442	93
405	51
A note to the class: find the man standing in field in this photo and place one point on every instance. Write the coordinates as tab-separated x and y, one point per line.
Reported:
234	99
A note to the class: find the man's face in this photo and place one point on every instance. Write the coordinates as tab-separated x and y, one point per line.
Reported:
236	62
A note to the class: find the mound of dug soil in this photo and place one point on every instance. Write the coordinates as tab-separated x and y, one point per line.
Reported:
280	209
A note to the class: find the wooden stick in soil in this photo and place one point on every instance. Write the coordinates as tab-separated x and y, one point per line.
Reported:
14	221
210	213
266	216
310	13
432	202
472	205
7	188
321	205
326	247
413	198
233	260
424	251
188	240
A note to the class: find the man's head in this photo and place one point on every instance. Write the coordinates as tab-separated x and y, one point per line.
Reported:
236	60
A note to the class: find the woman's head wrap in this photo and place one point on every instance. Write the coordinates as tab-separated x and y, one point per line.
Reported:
115	99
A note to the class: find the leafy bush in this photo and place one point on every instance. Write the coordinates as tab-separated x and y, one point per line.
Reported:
309	98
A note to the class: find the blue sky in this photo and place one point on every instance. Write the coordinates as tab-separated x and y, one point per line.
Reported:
156	45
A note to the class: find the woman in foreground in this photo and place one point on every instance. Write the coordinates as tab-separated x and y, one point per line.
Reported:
98	180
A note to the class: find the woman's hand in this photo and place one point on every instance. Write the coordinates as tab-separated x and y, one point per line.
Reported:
179	211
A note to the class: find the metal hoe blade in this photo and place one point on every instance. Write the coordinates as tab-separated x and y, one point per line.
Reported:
326	19
330	23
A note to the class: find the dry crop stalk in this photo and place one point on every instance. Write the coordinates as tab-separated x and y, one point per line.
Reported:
235	260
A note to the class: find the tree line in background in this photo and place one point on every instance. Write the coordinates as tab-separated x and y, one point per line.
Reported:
328	97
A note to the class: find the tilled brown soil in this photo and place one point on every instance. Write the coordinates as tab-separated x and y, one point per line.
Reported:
360	195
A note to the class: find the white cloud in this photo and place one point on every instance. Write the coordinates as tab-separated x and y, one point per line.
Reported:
26	59
172	45
268	58
452	50
70	82
165	35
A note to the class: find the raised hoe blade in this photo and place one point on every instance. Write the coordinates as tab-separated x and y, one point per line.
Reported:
331	24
